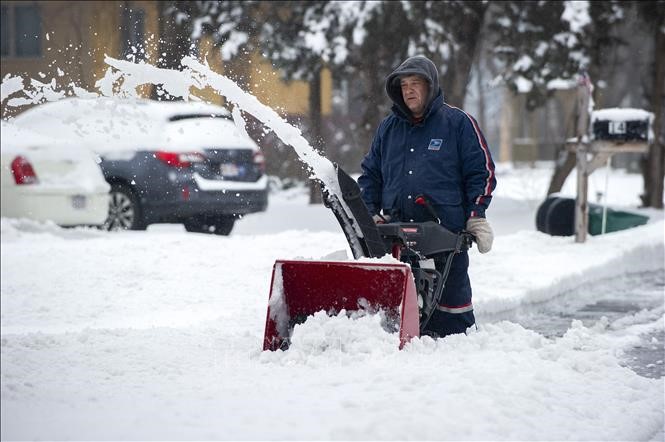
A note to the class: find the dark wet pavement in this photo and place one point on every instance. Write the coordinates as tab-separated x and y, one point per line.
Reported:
625	301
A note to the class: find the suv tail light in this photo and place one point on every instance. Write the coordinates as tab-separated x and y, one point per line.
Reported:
175	159
260	161
23	171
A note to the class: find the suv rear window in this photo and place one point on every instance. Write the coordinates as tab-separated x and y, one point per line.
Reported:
192	116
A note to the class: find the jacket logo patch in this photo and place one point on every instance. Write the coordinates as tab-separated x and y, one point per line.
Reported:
435	144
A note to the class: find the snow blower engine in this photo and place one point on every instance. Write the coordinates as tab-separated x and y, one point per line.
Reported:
408	291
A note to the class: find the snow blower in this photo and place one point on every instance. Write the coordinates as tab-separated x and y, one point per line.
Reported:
407	291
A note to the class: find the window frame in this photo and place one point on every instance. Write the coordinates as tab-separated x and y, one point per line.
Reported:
13	40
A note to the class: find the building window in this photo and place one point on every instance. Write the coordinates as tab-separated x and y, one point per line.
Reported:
21	31
5	31
133	34
28	31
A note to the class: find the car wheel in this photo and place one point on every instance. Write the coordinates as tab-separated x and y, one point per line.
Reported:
124	210
224	225
219	225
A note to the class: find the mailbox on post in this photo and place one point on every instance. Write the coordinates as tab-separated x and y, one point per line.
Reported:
613	130
621	125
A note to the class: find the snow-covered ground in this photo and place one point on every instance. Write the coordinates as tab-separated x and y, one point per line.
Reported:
158	335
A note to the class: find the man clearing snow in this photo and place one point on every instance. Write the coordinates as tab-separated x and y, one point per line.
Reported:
427	153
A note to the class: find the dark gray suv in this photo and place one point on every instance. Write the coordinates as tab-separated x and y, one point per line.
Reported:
166	162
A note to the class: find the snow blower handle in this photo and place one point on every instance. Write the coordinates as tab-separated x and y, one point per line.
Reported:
421	200
467	239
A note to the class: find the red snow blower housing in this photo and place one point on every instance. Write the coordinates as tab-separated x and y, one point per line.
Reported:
407	292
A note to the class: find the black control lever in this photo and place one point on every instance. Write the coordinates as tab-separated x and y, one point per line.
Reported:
422	201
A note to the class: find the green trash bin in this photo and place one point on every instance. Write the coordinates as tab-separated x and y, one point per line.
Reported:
556	216
616	220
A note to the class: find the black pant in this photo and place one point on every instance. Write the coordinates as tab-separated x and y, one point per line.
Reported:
455	311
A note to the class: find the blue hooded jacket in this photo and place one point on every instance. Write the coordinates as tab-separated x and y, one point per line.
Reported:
444	157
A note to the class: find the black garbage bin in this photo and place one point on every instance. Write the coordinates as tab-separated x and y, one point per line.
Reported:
556	216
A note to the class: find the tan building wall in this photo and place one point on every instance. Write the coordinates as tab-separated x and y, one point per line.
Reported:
76	36
292	97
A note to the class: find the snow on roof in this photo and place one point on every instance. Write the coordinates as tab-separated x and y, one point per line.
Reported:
621	114
576	13
523	85
561	84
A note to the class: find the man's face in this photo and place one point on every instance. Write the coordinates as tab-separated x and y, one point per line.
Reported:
414	92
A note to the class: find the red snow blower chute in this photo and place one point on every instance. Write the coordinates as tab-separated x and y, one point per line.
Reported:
407	292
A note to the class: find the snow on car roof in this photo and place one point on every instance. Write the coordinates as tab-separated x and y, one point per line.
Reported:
207	133
110	124
18	140
15	138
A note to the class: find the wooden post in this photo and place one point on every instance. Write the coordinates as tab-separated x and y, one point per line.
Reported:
506	128
582	132
581	202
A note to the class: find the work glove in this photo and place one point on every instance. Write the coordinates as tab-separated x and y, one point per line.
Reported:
381	219
480	228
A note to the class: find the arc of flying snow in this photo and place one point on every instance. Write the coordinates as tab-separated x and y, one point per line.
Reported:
195	74
321	167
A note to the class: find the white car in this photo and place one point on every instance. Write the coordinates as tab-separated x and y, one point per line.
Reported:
45	179
166	162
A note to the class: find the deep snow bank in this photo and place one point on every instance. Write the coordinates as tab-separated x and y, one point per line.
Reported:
157	335
529	267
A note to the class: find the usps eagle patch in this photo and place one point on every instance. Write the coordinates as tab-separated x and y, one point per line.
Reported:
435	144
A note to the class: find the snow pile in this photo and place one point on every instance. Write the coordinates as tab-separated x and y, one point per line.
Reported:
12	230
95	345
552	271
342	339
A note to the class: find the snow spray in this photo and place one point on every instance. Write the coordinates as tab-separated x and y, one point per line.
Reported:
122	79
